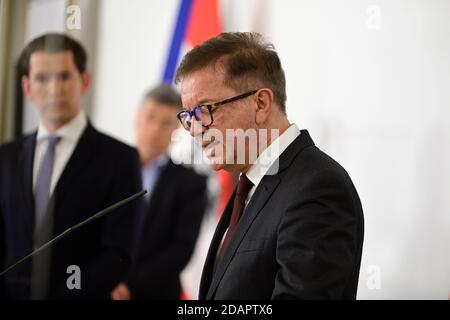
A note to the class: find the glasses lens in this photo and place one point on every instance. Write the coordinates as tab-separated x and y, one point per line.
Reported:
200	113
203	115
185	119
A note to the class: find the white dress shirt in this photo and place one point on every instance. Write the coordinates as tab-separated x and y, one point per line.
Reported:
265	160
268	157
70	133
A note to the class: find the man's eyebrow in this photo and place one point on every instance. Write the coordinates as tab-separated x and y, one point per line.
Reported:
204	101
201	102
44	72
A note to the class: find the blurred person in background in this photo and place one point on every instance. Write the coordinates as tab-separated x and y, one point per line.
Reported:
57	177
170	222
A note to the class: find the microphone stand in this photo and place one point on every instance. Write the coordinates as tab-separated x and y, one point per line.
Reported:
65	233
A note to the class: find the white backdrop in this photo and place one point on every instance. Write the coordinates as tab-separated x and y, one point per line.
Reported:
369	79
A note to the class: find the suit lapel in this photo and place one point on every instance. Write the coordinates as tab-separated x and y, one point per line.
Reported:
76	163
26	164
163	182
254	207
208	268
160	189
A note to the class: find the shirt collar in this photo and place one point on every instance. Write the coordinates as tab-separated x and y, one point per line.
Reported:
160	162
70	131
267	158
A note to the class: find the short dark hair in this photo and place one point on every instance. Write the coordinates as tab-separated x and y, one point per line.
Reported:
165	94
53	43
246	56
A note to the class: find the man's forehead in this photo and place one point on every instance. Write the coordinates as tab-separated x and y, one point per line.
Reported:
152	104
51	60
197	86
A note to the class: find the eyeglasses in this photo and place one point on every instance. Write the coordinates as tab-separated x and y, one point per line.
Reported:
203	112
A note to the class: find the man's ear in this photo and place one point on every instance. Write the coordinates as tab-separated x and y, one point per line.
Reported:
25	81
85	82
264	105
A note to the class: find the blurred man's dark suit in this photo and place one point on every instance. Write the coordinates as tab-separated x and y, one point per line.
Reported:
169	229
100	172
300	236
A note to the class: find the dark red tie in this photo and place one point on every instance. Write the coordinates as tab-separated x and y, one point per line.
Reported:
243	188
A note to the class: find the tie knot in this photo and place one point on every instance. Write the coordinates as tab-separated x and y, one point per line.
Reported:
244	186
53	140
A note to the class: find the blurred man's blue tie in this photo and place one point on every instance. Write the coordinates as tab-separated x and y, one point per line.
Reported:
44	178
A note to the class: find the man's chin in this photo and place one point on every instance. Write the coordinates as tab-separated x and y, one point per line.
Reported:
215	163
218	162
56	121
216	166
58	117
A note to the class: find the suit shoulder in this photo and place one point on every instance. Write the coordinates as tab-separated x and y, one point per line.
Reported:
315	161
12	149
109	143
188	173
312	166
313	172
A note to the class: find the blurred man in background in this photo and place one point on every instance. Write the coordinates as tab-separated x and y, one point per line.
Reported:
59	176
170	223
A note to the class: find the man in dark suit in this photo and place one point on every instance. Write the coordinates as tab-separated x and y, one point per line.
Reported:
293	228
59	176
174	207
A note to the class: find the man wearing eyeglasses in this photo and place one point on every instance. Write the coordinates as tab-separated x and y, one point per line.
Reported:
59	176
293	228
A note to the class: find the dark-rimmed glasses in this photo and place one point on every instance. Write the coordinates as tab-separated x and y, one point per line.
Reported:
203	112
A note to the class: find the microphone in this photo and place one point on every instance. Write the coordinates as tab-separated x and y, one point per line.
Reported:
65	233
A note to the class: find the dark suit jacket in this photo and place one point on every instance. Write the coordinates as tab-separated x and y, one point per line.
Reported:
100	172
169	231
300	236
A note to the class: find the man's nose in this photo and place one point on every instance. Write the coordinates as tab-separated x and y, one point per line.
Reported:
54	86
196	128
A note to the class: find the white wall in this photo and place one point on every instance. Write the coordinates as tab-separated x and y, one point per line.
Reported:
377	100
369	79
133	40
42	16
